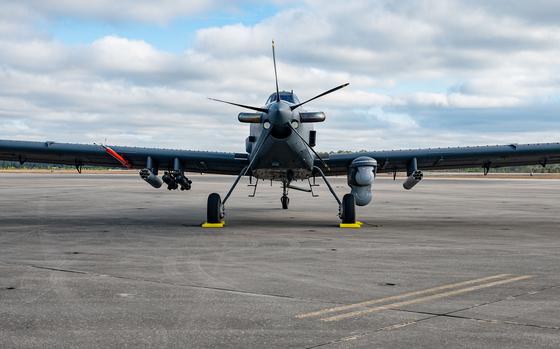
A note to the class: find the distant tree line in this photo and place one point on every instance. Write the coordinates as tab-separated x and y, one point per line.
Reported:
7	165
513	169
516	169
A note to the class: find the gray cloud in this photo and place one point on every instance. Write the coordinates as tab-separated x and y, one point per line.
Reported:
107	10
498	66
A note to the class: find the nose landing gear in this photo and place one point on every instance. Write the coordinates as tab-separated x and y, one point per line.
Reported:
285	200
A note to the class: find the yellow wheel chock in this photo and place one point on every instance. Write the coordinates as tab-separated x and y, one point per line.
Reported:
355	225
213	225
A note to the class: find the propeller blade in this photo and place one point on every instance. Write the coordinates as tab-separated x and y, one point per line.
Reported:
321	95
275	74
262	110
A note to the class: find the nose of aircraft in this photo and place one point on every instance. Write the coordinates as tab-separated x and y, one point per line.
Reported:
279	116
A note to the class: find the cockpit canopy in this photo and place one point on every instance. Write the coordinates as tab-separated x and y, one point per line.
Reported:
287	96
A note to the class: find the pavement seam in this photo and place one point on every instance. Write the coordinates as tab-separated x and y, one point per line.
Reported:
503	322
365	334
494	321
528	293
451	313
448	315
221	289
58	269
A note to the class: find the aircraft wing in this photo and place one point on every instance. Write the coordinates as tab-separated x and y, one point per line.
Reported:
131	157
452	158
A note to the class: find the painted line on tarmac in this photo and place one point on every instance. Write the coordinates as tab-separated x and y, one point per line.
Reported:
398	297
424	299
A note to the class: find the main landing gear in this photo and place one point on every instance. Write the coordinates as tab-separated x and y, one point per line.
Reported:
348	209
347	206
214	212
215	209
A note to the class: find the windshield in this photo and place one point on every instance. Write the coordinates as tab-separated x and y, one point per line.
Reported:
285	96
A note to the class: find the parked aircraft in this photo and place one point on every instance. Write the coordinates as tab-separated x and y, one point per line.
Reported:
280	147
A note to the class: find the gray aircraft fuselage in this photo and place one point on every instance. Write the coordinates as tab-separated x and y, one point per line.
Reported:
280	153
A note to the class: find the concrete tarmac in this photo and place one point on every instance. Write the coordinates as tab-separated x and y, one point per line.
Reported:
106	261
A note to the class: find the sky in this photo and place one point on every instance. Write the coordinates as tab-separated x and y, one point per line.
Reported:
421	73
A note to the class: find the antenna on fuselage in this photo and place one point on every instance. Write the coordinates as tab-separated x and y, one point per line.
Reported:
275	73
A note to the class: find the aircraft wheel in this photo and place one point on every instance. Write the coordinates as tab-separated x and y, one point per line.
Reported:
348	214
285	202
214	209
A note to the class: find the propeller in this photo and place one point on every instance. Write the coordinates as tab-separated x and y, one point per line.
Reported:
262	110
320	95
275	73
293	107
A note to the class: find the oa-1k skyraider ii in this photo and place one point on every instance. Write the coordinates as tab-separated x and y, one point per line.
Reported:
280	147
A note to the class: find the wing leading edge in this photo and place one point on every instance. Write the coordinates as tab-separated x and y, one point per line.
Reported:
453	158
97	155
233	163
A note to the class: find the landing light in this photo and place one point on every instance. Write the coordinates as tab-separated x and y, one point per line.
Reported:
266	125
295	124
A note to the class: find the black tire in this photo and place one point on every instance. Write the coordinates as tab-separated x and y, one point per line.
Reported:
214	208
348	209
285	202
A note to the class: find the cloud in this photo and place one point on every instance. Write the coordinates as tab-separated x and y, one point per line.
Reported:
422	73
107	10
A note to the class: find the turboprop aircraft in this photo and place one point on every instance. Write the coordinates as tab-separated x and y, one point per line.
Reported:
280	147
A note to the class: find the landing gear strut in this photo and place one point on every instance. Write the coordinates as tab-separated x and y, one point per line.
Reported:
347	207
215	211
285	200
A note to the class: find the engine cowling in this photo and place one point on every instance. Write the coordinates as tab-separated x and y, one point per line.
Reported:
361	176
